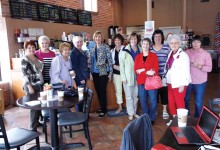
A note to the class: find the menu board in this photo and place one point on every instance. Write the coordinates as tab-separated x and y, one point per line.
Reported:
49	13
68	15
84	18
23	9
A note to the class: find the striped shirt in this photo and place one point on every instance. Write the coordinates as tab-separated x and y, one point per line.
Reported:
162	55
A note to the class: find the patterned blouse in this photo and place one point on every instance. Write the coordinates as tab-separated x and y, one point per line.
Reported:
31	71
100	59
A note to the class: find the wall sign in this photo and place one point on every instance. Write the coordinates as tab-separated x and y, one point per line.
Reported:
23	9
31	10
68	15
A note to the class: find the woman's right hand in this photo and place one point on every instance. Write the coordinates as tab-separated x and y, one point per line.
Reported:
125	82
31	90
90	77
64	81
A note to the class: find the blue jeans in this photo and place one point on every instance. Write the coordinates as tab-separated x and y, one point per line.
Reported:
143	95
199	91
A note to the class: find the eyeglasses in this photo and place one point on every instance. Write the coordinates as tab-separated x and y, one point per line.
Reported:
174	43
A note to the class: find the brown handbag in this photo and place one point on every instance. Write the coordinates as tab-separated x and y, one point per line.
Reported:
153	82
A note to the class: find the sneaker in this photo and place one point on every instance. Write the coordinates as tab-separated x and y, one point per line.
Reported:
101	115
165	115
98	111
168	124
130	117
136	116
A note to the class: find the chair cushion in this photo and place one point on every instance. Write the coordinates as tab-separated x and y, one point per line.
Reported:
19	136
71	118
45	113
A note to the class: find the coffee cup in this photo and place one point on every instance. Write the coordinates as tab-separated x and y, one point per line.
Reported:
182	117
72	74
80	92
43	95
60	95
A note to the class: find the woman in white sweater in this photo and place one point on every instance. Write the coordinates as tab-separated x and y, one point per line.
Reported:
178	74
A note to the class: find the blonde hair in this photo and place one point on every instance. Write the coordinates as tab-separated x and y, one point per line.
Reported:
62	45
96	33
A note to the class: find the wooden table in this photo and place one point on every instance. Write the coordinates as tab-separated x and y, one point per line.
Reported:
52	106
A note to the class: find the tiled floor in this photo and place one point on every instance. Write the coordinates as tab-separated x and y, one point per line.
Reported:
106	133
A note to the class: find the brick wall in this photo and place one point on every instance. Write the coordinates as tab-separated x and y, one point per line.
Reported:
103	18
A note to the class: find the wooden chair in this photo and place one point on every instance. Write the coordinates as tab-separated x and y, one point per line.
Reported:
16	137
76	118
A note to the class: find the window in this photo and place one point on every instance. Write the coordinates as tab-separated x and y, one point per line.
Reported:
91	5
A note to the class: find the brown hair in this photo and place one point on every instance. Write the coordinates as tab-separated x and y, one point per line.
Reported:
134	34
27	43
62	45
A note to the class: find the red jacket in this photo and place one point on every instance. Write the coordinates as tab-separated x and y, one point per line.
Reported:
150	63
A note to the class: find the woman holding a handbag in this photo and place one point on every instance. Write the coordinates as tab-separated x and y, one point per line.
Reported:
178	75
146	66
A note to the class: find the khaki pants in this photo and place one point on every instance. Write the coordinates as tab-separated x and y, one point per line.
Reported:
2	107
118	88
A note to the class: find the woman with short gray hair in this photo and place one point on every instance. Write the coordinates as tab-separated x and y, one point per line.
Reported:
178	75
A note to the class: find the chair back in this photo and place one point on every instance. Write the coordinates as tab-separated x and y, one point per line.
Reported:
214	104
2	105
138	135
88	102
3	134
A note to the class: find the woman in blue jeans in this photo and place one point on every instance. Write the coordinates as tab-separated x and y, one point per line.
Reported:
146	64
200	65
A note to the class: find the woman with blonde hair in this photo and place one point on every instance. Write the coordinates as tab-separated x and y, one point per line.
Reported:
61	65
100	65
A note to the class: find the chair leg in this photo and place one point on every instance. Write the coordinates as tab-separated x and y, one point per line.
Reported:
84	129
45	129
61	135
38	143
88	138
18	148
70	131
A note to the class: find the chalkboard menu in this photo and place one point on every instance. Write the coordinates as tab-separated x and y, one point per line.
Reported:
23	9
84	18
31	10
68	15
48	13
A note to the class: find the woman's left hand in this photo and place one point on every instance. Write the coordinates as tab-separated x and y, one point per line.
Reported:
181	88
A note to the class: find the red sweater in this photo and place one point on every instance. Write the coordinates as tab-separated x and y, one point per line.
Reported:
150	63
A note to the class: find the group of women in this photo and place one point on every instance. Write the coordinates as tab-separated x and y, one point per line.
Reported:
128	66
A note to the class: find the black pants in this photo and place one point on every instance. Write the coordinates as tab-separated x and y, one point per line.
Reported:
163	95
100	83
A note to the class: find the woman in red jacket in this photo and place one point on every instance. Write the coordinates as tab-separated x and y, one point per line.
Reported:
146	64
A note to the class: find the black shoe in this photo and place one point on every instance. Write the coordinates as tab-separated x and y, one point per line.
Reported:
101	115
152	122
98	111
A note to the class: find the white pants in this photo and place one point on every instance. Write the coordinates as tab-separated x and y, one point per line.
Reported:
118	88
131	93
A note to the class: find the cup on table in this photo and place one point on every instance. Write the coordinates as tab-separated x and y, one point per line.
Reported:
43	95
60	95
80	92
182	117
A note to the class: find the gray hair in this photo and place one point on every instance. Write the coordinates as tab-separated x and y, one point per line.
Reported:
43	38
175	36
75	38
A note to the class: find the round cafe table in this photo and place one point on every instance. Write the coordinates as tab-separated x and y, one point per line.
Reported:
52	106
